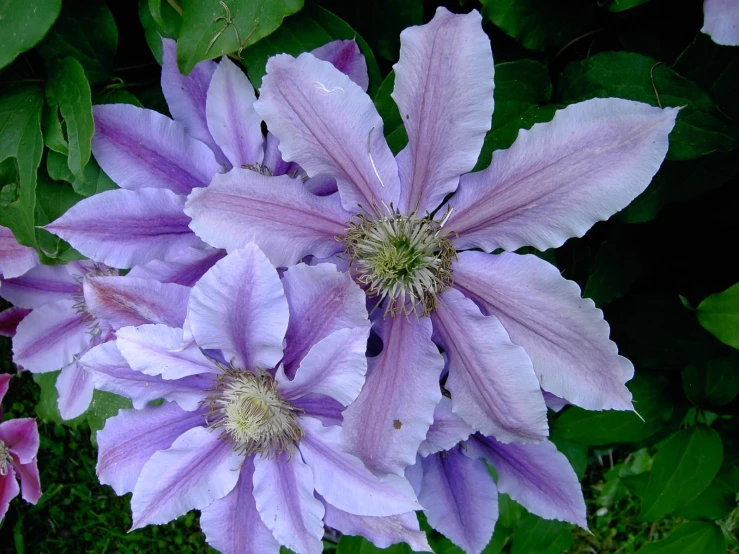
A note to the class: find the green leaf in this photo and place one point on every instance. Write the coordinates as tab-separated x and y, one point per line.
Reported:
312	27
577	453
719	314
701	128
86	31
393	127
623	5
717	501
616	268
540	24
93	181
716	382
52	129
103	406
690	538
53	198
47	408
535	535
159	19
209	30
611	426
358	545
684	466
23	23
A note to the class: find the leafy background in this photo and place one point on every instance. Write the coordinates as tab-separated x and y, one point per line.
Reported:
663	270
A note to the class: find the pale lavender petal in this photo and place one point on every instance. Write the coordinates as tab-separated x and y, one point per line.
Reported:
721	21
459	499
141	148
111	373
29	478
9	489
414	474
197	469
50	336
232	121
399	397
328	125
40	285
322	300
15	259
123	300
286	220
554	402
345	56
232	524
185	267
493	385
123	228
157	350
9	320
283	491
21	438
239	307
564	335
321	185
131	437
561	177
75	387
447	430
444	91
536	476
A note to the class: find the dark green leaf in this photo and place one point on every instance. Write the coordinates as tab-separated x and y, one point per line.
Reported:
719	314
52	128
623	5
690	538
535	535
393	127
700	129
94	179
684	466
617	267
47	408
103	406
577	453
159	19
716	502
23	23
209	30
715	382
358	545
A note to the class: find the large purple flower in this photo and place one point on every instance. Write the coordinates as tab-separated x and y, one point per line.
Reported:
235	438
509	324
721	21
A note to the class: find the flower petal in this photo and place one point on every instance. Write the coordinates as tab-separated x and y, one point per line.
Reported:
283	492
141	148
232	524
493	385
9	320
75	387
30	480
564	335
447	430
721	21
536	476
9	489
239	307
232	121
345	56
323	408
185	268
131	437
15	259
328	125
459	499
399	397
561	177
4	384
123	228
21	438
50	336
286	220
444	91
197	469
40	285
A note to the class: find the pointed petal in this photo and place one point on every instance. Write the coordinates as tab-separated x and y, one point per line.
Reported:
156	350
286	220
50	336
444	91
131	437
75	388
29	478
561	177
324	408
493	385
232	524
721	21
21	438
123	300
15	259
197	469
141	148
283	492
329	300
239	307
564	335
344	481
185	268
9	489
536	476
399	397
328	125
40	285
345	56
459	499
9	320
123	228
232	121
447	430
4	384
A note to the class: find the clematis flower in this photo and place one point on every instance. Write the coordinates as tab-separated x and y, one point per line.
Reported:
15	259
157	161
508	323
721	21
19	443
235	438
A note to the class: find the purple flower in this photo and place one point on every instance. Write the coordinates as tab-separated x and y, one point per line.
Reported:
19	443
721	21
235	438
509	324
15	259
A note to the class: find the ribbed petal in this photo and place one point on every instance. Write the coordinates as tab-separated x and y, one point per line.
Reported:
75	387
40	285
721	21
345	56
15	259
185	268
21	438
286	220
29	478
9	320
328	125
9	489
561	177
447	430
323	408
444	90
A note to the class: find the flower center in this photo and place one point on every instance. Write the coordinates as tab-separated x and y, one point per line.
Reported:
4	459
249	411
405	259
